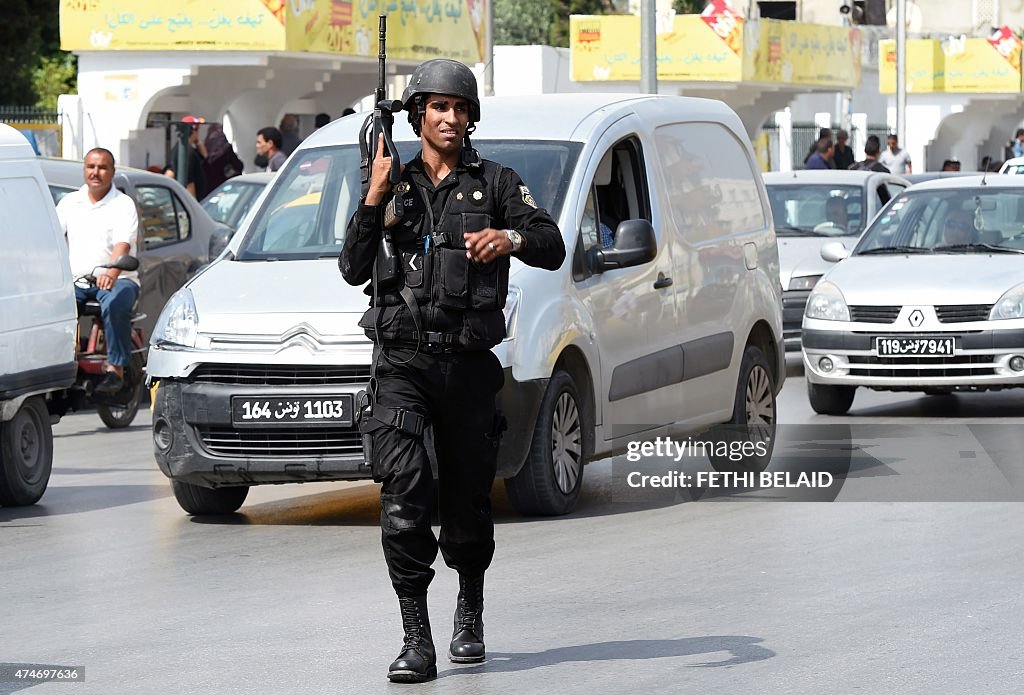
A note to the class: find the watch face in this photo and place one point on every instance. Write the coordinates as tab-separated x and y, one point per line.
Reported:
517	238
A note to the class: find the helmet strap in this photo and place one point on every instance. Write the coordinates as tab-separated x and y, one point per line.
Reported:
470	157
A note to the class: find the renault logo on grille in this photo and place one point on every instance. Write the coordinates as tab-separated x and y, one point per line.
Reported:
916	318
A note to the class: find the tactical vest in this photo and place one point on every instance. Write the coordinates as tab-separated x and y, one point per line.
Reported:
460	302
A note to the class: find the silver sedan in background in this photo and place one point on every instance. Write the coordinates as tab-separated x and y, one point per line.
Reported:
810	208
931	299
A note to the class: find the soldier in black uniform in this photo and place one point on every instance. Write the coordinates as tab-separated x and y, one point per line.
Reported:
433	328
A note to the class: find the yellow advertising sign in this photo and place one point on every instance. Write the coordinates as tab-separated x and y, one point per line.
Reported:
808	54
607	48
954	65
703	48
417	29
97	25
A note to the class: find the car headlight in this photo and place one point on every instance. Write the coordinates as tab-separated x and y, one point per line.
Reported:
827	302
807	282
511	310
1010	305
178	323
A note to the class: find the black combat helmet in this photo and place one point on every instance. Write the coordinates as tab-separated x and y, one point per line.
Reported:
440	76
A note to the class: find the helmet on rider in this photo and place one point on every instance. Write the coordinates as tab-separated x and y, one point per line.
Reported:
440	76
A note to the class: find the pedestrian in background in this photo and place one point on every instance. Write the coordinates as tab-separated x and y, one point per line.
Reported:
320	120
268	145
432	360
822	157
842	157
894	158
951	165
221	162
871	150
194	179
823	133
1015	148
290	137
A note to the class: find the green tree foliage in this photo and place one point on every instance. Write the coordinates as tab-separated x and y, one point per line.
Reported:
21	45
689	6
34	68
521	22
56	75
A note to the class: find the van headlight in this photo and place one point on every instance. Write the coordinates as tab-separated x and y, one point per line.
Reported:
511	310
827	303
1010	305
178	324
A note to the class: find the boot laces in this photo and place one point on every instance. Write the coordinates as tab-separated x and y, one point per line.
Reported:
412	623
471	605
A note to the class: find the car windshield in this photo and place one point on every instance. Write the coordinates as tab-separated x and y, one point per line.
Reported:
814	209
231	200
949	220
58	192
314	197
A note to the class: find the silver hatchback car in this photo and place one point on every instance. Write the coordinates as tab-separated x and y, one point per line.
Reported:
931	299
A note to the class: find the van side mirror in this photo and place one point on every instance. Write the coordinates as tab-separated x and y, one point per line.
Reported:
635	244
834	251
125	262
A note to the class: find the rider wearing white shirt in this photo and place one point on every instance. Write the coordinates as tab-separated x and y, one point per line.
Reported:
101	224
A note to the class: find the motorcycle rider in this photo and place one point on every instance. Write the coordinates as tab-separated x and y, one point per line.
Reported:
101	223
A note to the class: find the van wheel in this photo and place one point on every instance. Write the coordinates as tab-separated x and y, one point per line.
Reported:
207	501
549	482
118	417
751	430
26	454
830	400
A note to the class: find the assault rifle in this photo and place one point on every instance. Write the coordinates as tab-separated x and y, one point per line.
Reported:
381	121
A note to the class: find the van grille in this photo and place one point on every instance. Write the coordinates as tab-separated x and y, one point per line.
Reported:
284	442
922	366
954	313
279	375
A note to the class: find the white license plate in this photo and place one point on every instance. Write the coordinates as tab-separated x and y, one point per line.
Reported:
898	346
263	411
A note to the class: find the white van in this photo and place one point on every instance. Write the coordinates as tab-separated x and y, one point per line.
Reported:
37	321
675	328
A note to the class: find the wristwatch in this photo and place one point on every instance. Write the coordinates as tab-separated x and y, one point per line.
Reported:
514	238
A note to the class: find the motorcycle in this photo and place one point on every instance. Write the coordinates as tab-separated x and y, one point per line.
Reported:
116	410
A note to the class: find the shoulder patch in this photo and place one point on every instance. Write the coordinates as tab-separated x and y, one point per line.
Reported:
527	196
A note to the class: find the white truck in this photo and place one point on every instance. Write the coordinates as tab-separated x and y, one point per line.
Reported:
38	322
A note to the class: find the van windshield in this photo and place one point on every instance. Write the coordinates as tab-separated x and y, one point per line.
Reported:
306	214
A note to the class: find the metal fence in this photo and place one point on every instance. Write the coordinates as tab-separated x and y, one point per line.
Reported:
40	126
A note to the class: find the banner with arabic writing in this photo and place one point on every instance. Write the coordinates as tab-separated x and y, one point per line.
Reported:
607	48
96	25
705	48
417	29
955	65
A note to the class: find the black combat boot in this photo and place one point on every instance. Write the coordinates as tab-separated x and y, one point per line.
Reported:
468	640
417	662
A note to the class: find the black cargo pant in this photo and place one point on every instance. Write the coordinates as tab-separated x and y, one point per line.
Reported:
456	392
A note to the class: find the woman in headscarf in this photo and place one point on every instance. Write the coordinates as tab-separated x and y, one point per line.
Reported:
221	161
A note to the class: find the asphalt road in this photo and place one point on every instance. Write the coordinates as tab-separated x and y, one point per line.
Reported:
908	583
